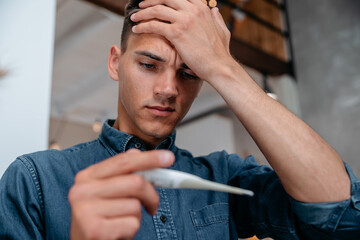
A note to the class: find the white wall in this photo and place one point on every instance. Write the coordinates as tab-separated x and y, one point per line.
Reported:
68	133
326	40
26	50
207	135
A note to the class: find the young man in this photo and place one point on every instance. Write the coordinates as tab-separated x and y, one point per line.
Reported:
90	191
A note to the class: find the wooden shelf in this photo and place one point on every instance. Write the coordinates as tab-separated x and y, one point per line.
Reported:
259	60
259	43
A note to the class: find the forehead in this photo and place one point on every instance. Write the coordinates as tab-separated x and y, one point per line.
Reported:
150	42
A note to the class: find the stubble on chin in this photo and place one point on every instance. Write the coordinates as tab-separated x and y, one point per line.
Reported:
158	130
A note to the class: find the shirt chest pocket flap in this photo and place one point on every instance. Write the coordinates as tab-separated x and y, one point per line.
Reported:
211	221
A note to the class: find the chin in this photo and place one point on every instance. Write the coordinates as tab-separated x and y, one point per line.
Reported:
158	132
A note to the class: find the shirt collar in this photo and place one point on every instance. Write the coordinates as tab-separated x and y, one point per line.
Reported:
117	141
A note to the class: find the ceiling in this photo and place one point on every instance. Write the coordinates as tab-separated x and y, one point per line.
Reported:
82	91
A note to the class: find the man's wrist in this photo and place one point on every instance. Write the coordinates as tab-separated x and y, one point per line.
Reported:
223	69
227	72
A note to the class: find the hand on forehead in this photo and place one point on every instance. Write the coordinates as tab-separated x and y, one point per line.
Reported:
210	3
198	33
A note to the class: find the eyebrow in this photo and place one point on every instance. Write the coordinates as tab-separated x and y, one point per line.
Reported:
157	58
150	55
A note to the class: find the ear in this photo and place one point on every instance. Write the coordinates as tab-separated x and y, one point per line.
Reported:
113	62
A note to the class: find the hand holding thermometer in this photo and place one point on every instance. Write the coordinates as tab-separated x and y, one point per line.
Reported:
167	178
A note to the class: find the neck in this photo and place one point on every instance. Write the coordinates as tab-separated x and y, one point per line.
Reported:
150	142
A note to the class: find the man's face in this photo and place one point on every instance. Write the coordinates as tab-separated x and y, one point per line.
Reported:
156	89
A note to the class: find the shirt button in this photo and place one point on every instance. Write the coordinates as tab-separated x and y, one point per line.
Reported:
163	218
137	145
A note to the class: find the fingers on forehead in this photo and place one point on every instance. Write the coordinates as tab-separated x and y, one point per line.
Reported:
175	4
198	2
156	27
160	12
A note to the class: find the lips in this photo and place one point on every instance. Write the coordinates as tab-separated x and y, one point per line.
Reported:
160	110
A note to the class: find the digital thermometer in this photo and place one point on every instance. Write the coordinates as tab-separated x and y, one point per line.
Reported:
167	178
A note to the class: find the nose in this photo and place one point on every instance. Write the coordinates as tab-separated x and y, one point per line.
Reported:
166	86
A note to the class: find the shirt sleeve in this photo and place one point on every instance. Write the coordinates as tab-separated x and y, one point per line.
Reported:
273	213
340	220
20	202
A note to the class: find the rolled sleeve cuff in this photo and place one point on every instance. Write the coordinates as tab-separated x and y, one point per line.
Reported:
328	215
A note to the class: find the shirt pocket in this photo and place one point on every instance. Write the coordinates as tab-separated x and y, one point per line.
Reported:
212	221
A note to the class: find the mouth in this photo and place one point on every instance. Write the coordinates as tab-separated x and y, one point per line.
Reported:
162	111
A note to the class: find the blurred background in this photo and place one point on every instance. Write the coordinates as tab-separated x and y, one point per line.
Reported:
55	90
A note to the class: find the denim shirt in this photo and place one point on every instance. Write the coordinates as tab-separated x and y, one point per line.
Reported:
34	197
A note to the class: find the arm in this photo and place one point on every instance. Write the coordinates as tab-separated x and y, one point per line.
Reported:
105	196
20	203
310	170
272	213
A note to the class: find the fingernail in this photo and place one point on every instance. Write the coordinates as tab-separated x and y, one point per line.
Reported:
132	17
166	158
133	29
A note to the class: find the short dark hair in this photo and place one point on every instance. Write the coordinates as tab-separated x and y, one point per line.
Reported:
131	7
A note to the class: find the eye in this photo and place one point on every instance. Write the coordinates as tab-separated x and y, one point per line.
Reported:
189	76
147	65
